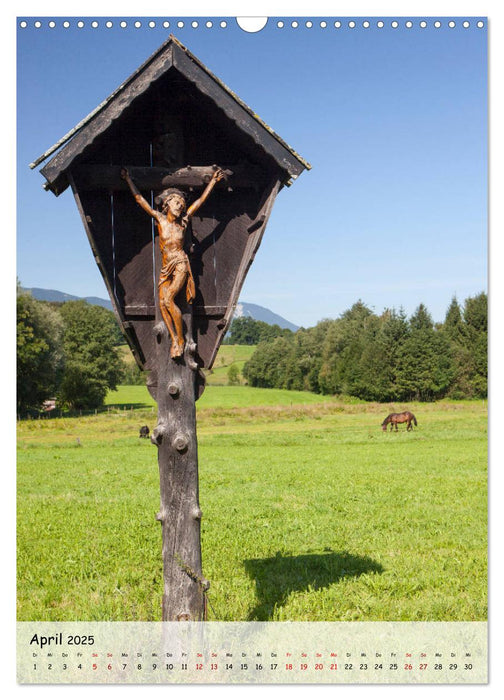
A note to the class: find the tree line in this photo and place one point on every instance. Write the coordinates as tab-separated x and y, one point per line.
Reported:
70	352
246	330
66	351
386	357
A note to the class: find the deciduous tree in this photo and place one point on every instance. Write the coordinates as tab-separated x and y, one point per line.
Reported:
92	362
39	352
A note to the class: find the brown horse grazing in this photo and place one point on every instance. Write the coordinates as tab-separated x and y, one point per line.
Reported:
395	418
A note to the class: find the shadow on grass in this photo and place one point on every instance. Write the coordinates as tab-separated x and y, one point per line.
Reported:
278	576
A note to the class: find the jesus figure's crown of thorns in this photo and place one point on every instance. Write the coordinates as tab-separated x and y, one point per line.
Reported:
164	197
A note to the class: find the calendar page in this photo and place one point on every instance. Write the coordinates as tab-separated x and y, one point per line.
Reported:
321	289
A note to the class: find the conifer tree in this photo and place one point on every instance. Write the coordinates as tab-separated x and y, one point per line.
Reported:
425	369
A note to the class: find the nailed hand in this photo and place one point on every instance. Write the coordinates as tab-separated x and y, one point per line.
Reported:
218	174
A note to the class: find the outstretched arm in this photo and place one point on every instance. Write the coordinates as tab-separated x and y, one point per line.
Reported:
216	177
139	199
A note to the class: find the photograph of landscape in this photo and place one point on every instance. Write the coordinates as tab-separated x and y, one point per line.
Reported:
367	298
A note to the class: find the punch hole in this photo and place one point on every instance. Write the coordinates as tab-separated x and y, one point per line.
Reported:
395	24
223	24
252	24
180	25
166	24
380	24
66	25
409	24
52	25
295	24
194	25
366	24
452	24
351	25
337	24
109	24
437	24
481	25
80	24
280	24
323	24
138	24
209	24
94	25
123	24
466	25
423	24
152	24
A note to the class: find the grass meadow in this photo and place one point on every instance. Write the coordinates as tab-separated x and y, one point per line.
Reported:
229	355
311	512
218	376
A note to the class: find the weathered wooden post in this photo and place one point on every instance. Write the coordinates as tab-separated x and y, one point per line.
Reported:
174	270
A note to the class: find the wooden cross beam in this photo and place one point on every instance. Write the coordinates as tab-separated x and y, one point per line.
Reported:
95	177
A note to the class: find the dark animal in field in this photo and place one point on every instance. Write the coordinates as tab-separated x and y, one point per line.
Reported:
144	431
396	418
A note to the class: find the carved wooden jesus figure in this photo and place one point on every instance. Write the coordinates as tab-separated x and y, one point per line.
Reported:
172	223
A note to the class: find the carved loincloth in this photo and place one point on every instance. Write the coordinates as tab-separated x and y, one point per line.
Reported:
169	268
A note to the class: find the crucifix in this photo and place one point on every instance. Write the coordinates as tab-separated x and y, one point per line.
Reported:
174	238
172	221
175	433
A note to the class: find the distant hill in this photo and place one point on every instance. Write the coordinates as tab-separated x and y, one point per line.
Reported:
55	295
258	313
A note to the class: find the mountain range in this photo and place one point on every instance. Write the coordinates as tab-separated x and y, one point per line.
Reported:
243	308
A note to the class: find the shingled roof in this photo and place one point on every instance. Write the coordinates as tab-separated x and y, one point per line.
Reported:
171	55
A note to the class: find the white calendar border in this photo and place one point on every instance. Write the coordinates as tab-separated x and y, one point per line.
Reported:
260	8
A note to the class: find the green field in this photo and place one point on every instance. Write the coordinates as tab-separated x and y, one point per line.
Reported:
229	355
311	512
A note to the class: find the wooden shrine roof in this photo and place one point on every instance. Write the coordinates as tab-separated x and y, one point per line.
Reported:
172	54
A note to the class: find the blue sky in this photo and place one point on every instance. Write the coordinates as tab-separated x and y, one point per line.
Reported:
392	120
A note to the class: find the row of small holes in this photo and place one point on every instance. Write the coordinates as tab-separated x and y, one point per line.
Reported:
280	24
109	24
366	24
